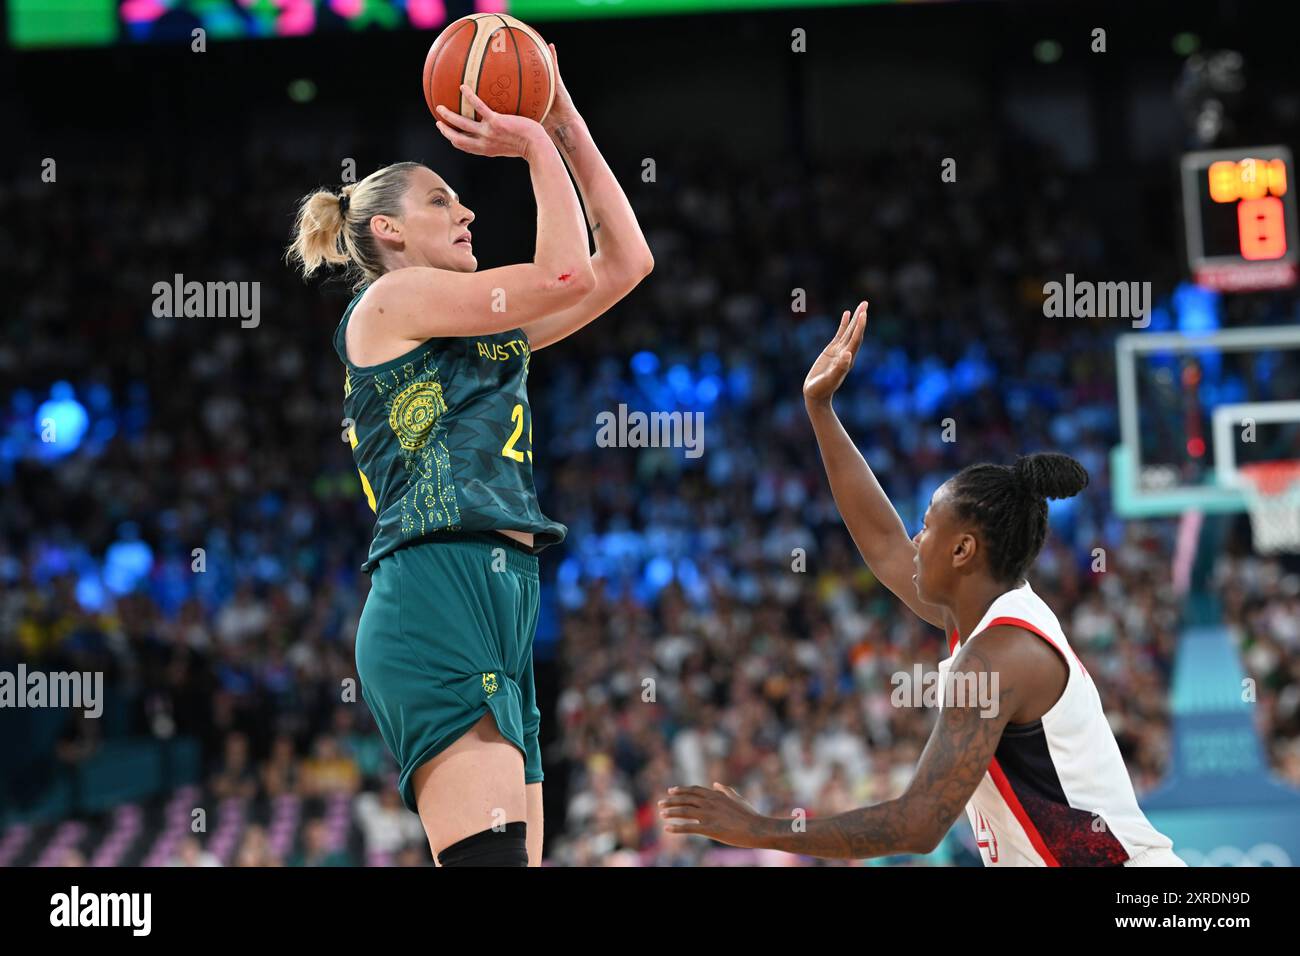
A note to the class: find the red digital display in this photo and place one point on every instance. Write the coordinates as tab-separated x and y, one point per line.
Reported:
1241	218
1261	228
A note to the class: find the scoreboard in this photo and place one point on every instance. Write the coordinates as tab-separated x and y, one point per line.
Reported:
1240	214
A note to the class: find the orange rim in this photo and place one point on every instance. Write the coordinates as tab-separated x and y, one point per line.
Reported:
1272	477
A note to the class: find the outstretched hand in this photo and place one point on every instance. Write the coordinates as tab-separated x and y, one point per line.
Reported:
833	364
720	814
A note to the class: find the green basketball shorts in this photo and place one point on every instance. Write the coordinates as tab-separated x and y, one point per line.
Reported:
446	636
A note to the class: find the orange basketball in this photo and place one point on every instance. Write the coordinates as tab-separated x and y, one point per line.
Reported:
501	58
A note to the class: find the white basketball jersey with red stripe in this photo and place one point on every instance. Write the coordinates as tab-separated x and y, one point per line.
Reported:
1057	792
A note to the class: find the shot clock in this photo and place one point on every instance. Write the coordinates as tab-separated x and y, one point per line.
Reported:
1240	212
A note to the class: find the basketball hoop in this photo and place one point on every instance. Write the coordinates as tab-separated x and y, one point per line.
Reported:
1272	492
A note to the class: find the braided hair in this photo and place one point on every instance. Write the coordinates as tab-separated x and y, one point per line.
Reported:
1008	503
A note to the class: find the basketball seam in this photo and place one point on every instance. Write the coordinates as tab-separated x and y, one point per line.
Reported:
545	54
519	84
519	69
433	71
482	60
464	70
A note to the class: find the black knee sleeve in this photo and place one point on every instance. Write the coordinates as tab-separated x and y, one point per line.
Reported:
508	847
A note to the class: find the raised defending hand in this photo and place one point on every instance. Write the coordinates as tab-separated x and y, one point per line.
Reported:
836	359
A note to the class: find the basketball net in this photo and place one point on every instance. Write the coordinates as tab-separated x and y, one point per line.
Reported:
1272	492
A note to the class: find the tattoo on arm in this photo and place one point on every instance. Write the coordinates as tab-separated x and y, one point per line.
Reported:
960	749
569	145
954	761
871	831
562	134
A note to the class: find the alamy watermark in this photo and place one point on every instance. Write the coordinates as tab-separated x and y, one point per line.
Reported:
1098	300
74	908
208	300
73	690
651	430
920	688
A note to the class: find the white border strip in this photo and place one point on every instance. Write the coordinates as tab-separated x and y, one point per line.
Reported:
1226	416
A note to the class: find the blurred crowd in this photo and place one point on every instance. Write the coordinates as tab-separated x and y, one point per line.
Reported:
712	618
1261	601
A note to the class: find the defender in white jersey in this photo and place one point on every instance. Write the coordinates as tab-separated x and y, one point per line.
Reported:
1056	792
1022	743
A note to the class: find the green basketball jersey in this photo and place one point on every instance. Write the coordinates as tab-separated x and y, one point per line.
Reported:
443	438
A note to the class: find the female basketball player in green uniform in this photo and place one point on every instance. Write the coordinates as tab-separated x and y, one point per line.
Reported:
436	357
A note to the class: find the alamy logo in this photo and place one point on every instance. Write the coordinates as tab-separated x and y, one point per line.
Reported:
921	688
208	300
1098	300
55	689
654	430
102	909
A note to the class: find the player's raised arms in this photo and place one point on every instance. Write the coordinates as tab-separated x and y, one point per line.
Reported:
622	257
419	302
875	526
